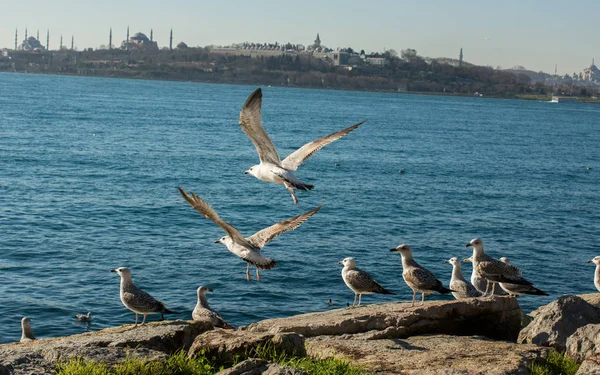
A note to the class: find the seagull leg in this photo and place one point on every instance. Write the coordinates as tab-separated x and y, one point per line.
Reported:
487	286
493	288
354	304
359	299
257	274
413	300
422	298
144	320
248	272
136	319
291	190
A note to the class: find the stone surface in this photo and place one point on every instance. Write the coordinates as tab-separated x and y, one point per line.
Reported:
256	366
430	355
592	298
554	323
112	345
227	344
494	317
591	366
584	342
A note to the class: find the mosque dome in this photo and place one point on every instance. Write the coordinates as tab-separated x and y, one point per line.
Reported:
140	37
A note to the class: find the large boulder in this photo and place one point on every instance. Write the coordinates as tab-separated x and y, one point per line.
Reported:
429	355
493	317
591	366
255	366
554	323
584	342
153	341
226	345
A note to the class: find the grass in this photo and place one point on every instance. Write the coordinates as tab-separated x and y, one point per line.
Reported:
180	364
555	364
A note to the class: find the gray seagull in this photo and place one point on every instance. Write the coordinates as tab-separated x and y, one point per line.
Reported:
360	281
249	249
26	331
203	312
493	270
518	289
461	288
136	299
272	168
419	279
479	282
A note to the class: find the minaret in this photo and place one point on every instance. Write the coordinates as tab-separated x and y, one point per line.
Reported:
151	37
460	57
60	42
171	41
110	39
25	33
72	41
48	40
318	41
16	36
127	40
38	35
593	62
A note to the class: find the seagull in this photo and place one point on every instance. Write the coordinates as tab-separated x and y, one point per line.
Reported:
249	249
416	277
360	281
493	270
84	318
271	167
596	261
136	299
461	288
479	282
516	289
26	331
203	312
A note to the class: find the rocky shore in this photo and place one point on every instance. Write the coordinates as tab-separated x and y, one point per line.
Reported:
472	336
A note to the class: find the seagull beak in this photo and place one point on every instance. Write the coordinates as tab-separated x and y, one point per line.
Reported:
394	249
466	260
246	172
340	262
468	245
590	261
209	290
446	261
217	241
113	270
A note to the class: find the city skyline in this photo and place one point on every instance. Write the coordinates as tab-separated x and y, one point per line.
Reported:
538	35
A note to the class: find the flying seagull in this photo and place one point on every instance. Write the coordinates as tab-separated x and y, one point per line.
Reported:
271	167
516	289
596	261
136	299
493	270
461	288
26	331
249	249
360	281
203	312
419	279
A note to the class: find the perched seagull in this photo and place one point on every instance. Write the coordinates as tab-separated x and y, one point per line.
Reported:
203	312
596	261
136	299
493	270
249	249
359	281
26	331
479	282
461	288
516	289
271	167
416	277
84	318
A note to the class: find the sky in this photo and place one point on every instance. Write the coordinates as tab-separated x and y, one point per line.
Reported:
535	34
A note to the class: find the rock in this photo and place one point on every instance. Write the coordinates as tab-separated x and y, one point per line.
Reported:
592	298
431	355
554	323
227	344
584	342
494	317
152	341
255	366
591	366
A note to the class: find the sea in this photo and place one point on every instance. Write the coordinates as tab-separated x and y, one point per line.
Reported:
89	170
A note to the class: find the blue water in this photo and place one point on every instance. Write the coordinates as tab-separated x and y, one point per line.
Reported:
89	169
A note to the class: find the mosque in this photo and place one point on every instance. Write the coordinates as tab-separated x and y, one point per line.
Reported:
139	41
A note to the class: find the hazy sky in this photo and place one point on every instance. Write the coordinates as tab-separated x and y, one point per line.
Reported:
534	33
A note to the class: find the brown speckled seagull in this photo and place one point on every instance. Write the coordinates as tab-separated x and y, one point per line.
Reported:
272	168
249	249
517	289
419	279
461	288
359	281
203	312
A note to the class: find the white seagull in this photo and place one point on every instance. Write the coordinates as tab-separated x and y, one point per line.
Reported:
596	261
249	248
271	167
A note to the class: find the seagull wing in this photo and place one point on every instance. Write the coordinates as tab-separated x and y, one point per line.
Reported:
208	212
297	157
261	238
422	279
251	123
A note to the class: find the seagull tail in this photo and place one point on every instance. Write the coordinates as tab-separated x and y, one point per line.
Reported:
167	311
536	292
301	185
519	281
385	291
269	263
445	290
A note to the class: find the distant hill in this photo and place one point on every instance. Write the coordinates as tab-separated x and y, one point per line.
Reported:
534	76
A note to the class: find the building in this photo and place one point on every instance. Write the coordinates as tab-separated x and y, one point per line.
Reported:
591	73
138	41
